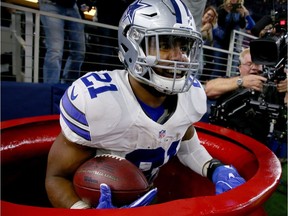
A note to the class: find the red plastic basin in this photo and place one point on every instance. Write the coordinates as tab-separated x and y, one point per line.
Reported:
25	144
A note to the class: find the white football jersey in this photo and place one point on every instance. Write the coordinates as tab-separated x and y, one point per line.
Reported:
100	110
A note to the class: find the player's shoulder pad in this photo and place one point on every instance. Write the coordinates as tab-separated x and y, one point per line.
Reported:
198	97
75	96
93	87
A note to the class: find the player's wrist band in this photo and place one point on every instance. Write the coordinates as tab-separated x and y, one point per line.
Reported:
80	205
214	163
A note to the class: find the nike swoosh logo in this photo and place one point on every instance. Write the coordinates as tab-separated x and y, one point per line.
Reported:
73	96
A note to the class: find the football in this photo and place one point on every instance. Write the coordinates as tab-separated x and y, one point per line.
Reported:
126	181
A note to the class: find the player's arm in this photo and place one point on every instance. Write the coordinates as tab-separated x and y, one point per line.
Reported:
192	154
63	160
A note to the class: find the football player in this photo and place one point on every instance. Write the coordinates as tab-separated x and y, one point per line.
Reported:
144	113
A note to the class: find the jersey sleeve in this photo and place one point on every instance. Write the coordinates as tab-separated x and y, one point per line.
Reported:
73	120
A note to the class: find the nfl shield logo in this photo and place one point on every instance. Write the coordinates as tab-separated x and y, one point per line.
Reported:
162	134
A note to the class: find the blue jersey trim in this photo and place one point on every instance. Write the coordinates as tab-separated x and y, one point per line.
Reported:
72	111
153	113
79	131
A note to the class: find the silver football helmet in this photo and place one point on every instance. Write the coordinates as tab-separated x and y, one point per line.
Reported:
147	31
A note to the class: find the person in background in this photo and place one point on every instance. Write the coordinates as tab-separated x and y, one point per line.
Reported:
56	32
209	20
250	84
249	77
267	30
144	112
231	16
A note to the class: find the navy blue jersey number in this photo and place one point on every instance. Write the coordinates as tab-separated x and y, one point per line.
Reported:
153	158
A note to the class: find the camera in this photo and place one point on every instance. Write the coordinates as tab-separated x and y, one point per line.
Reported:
261	115
235	7
271	46
271	52
252	113
245	109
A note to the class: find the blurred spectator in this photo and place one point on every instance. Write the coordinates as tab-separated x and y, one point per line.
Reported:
269	29
209	20
231	16
56	31
263	26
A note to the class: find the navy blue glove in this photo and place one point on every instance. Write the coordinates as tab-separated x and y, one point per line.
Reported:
226	178
105	201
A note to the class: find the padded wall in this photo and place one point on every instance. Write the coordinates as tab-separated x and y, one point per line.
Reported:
19	100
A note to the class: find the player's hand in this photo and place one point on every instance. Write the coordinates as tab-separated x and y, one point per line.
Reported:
226	178
105	201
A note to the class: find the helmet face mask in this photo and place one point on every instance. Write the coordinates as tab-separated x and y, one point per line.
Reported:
163	56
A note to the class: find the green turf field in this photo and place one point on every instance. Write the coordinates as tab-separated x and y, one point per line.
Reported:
276	205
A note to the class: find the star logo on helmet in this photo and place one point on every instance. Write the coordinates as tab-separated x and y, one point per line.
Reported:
131	10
